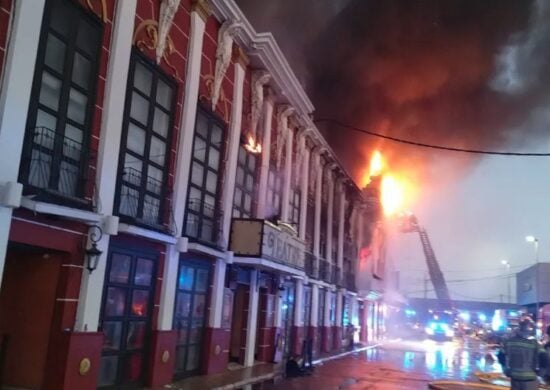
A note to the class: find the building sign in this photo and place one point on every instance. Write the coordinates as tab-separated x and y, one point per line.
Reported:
259	238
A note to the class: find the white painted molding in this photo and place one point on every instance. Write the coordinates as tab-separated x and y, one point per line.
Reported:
224	50
146	233
283	112
168	9
259	79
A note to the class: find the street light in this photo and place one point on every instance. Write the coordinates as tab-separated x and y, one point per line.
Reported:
535	242
506	263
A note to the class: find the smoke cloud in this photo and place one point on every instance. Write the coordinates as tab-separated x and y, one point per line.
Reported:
463	73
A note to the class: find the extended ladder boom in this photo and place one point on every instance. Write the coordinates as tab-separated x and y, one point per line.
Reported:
410	224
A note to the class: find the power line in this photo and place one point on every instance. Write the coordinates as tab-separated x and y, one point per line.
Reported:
430	146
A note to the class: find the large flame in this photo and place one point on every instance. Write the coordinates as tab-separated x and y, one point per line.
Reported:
396	189
392	194
376	164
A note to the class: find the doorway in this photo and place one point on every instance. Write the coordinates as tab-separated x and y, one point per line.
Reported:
126	317
190	315
27	300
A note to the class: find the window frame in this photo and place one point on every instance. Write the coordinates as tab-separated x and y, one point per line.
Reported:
240	207
156	74
212	119
274	189
61	114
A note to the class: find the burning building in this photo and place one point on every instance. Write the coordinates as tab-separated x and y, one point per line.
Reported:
167	205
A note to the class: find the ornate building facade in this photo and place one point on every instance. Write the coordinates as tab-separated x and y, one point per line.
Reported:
167	205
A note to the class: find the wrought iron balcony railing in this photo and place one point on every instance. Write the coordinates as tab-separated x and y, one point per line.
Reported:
144	203
52	166
203	223
311	265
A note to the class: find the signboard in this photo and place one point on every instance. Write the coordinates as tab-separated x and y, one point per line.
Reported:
262	239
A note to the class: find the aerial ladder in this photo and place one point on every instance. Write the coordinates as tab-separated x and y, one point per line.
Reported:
409	224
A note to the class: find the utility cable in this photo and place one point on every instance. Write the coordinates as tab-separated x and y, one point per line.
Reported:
430	146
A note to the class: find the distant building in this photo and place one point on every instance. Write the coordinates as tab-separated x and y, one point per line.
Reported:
533	285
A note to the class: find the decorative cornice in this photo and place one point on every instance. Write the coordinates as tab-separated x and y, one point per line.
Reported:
224	52
202	8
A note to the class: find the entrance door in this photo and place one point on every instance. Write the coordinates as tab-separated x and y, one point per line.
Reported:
126	317
190	315
288	317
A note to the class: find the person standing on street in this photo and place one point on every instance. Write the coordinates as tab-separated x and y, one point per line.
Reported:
522	353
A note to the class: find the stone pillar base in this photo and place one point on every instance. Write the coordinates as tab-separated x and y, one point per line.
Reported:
162	357
337	337
326	339
297	339
74	362
215	354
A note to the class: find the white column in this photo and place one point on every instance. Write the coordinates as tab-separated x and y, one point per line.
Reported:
187	128
218	284
299	303
304	189
339	303
89	305
328	299
266	154
252	319
15	93
233	149
287	177
341	225
318	204
314	305
278	310
330	206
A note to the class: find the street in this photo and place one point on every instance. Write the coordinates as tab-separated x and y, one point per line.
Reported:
399	365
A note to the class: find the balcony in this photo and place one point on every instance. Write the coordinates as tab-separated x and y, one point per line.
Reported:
52	168
325	271
203	223
143	203
264	244
349	281
311	265
337	276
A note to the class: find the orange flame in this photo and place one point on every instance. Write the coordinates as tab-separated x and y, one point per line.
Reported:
252	146
392	193
376	164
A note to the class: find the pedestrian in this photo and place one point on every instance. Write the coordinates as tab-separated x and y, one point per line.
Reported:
522	352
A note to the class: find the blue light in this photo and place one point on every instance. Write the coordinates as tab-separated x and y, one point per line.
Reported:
465	316
482	317
410	312
513	314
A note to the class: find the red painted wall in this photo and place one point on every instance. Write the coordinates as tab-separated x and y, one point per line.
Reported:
26	310
5	12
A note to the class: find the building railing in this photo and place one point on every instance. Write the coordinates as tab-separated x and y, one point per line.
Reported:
349	281
311	265
52	166
145	206
337	275
324	271
203	223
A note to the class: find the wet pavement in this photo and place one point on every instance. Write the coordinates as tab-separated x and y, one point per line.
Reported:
399	365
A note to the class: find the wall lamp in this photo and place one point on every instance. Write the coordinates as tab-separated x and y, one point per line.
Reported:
93	254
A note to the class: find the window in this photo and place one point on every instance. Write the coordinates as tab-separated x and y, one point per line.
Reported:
294	209
243	199
274	193
62	100
143	164
202	218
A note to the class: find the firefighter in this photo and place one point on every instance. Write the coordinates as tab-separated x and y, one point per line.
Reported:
522	352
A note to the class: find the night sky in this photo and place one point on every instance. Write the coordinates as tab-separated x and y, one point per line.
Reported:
461	73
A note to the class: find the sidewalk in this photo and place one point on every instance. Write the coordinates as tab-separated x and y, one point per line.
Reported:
251	375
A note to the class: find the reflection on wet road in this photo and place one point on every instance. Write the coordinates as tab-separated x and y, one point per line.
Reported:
399	365
440	360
